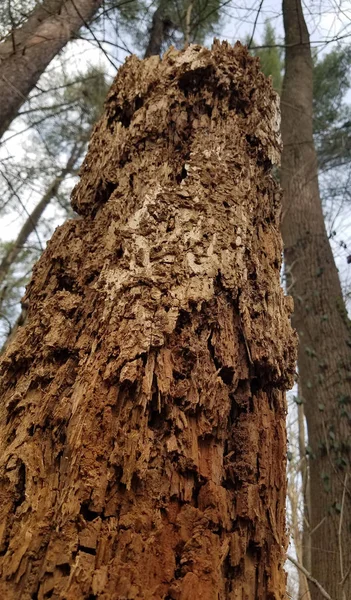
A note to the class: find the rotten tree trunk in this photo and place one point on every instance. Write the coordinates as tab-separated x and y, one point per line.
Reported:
28	50
143	413
320	318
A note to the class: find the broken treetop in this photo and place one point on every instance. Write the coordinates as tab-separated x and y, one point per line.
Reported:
222	81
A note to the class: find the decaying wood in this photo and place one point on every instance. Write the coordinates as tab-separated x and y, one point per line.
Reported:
143	412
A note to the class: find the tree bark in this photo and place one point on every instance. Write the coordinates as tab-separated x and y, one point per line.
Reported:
320	318
28	50
142	420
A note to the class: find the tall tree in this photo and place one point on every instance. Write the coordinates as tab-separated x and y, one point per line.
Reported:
142	418
320	318
28	49
160	27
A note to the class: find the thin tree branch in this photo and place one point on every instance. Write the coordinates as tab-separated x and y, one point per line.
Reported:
255	23
24	208
309	577
87	26
340	534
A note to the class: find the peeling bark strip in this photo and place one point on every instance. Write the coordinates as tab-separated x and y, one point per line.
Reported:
143	413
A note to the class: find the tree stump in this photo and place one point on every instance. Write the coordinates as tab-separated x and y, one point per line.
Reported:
143	411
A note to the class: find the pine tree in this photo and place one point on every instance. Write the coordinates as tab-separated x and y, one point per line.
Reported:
271	57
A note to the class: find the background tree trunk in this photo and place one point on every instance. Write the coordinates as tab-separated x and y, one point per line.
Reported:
142	420
159	27
28	50
320	318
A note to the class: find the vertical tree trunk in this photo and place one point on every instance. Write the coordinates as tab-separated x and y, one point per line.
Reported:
320	318
187	30
159	28
28	50
142	420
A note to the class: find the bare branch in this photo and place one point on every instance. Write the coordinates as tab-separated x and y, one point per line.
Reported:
309	577
255	23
